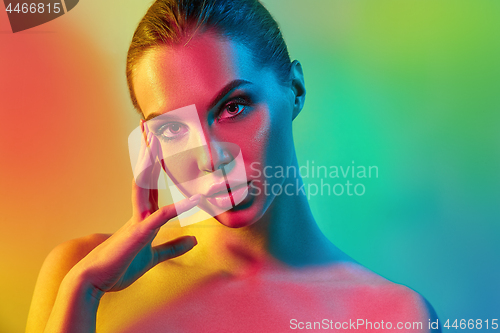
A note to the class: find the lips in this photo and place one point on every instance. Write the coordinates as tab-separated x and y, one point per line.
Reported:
239	192
217	189
219	196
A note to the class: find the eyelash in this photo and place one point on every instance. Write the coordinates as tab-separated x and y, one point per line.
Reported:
239	100
159	131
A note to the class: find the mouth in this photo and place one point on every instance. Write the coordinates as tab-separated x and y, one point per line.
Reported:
217	189
225	197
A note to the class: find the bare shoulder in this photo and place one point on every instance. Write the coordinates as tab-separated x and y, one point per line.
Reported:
65	255
358	293
381	298
55	267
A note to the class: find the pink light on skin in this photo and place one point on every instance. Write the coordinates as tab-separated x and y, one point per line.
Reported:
267	302
272	263
245	277
179	152
236	104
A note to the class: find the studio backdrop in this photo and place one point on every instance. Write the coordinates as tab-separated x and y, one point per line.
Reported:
399	139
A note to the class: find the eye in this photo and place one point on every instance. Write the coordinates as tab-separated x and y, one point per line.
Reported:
172	130
231	110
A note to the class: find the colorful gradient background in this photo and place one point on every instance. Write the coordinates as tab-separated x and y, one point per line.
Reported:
412	87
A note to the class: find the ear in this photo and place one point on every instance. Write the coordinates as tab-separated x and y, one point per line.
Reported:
298	87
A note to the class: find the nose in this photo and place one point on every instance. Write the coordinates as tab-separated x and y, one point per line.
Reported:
214	156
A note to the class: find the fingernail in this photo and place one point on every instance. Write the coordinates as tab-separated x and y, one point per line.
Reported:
150	139
195	198
195	241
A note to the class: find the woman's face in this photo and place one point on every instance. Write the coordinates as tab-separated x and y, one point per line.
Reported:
241	122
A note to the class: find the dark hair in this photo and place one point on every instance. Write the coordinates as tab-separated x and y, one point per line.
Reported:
245	21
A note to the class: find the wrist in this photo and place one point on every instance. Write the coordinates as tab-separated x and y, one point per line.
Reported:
76	283
76	305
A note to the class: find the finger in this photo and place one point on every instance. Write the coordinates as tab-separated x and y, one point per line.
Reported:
162	215
144	141
144	129
153	192
155	149
173	248
142	163
140	194
148	169
139	205
140	191
145	162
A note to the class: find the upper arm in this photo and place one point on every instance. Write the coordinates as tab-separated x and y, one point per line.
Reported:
55	267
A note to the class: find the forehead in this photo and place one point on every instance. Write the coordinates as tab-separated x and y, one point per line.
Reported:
173	76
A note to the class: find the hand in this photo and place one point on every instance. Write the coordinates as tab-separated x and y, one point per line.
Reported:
127	254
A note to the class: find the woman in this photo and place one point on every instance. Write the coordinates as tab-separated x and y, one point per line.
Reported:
260	264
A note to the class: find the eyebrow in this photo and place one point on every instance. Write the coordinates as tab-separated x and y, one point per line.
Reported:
153	115
226	90
223	92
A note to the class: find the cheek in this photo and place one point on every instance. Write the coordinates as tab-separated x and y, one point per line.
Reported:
254	137
184	166
265	139
279	138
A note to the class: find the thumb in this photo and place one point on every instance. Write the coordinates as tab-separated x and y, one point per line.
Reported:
173	248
